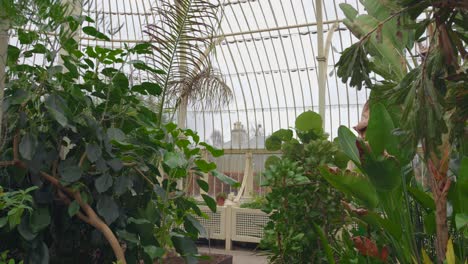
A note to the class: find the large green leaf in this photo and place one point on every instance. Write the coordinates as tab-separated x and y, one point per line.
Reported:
226	179
284	134
210	202
186	248
27	146
309	121
92	31
273	143
175	160
347	141
39	253
40	219
108	208
383	171
214	151
379	131
147	88
93	152
205	166
354	185
103	183
194	222
423	198
56	106
70	174
153	251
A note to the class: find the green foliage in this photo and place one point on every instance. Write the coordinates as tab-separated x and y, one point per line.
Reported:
81	129
305	210
424	93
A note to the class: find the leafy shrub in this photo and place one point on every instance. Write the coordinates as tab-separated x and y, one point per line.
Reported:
89	172
305	210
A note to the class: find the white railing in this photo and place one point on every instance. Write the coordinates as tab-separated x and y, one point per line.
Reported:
234	224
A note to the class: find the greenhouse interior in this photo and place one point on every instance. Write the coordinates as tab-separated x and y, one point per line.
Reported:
236	131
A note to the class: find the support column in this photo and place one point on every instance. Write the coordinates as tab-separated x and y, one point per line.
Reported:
228	227
322	62
249	187
4	38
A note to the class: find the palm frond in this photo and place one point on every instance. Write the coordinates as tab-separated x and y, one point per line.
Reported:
183	41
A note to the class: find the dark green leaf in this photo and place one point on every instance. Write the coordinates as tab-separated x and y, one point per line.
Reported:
210	202
186	248
214	151
27	146
70	174
27	37
3	221
284	134
116	164
423	198
56	105
379	131
120	81
40	219
39	254
108	209
347	141
203	185
103	183
93	152
147	88
271	161
273	143
122	184
116	134
205	166
153	251
92	31
13	55
197	225
129	237
25	230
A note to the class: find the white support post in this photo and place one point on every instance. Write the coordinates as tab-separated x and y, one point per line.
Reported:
228	226
4	38
249	188
322	62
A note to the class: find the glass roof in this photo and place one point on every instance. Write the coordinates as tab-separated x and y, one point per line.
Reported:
267	54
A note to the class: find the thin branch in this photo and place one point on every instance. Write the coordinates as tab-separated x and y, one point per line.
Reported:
82	159
144	176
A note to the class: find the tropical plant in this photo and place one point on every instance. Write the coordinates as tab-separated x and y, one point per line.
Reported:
305	211
396	218
101	168
428	86
184	39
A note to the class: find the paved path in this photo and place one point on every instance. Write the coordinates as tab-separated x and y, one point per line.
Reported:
240	256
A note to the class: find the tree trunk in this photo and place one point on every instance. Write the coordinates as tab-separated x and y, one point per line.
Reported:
440	185
4	38
442	228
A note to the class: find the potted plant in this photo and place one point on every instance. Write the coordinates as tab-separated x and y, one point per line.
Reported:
220	198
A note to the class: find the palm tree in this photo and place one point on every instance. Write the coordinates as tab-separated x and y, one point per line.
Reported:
183	39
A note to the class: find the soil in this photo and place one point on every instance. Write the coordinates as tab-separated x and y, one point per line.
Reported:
214	259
